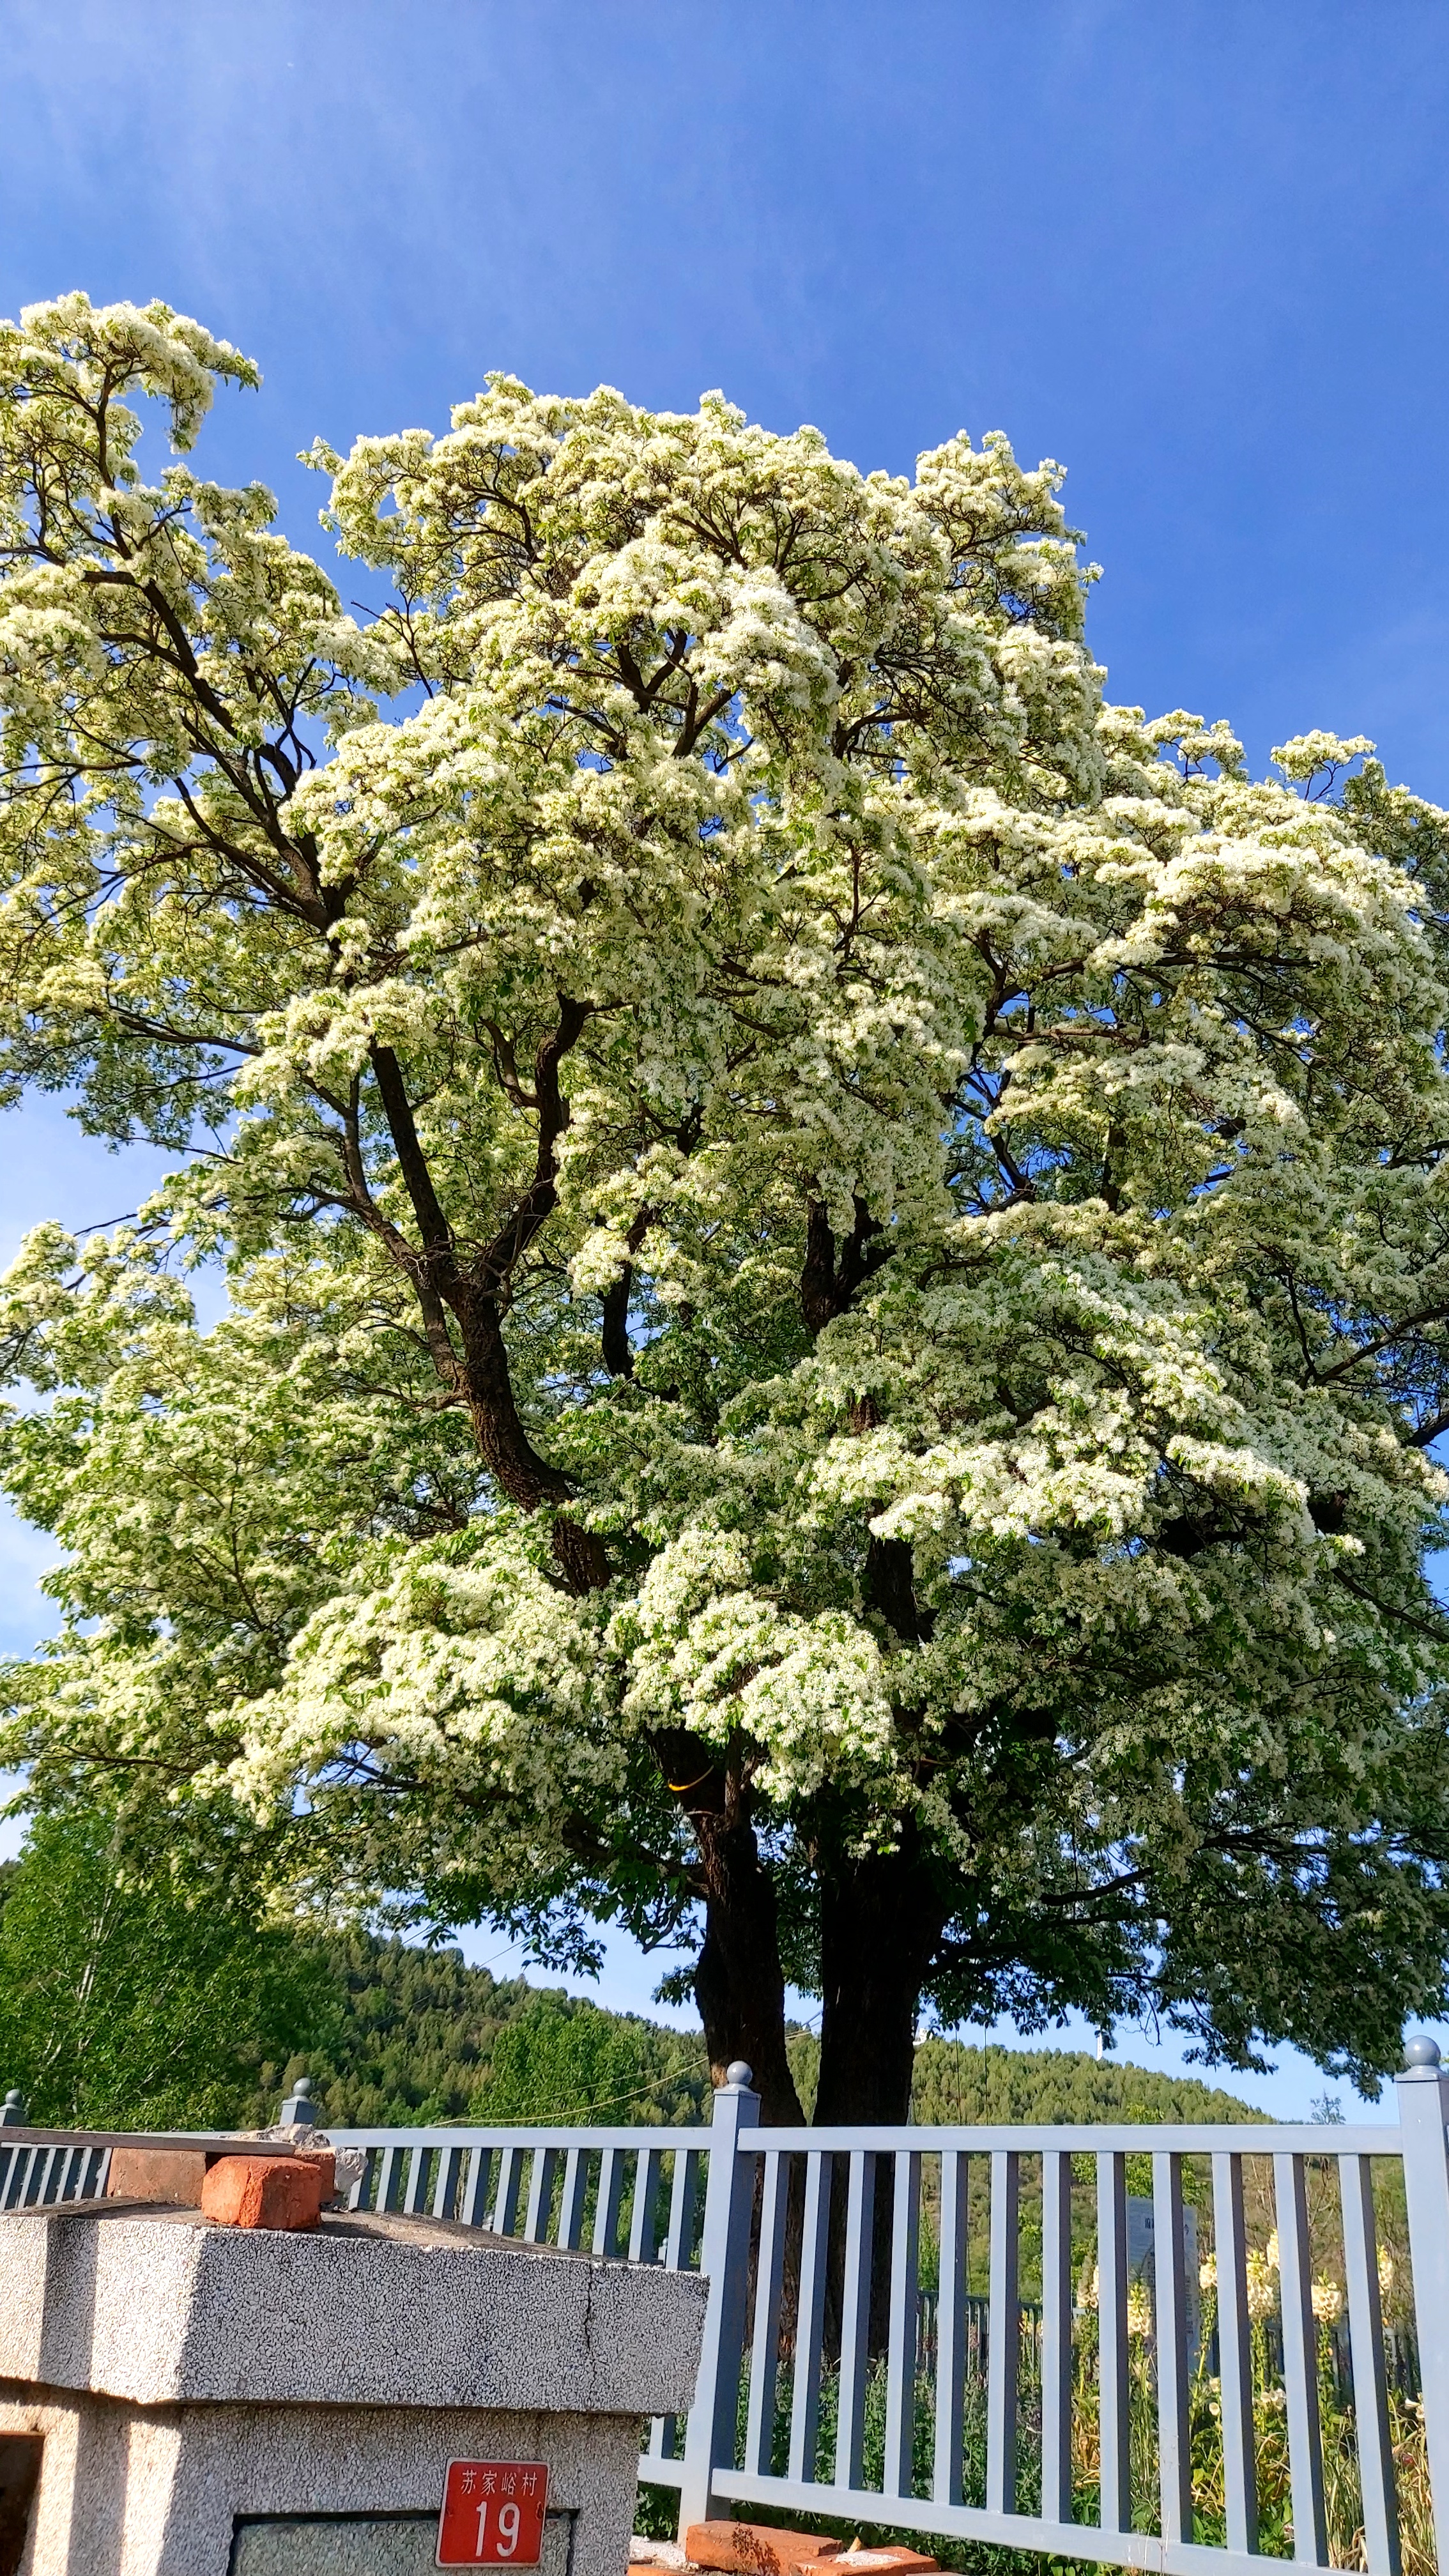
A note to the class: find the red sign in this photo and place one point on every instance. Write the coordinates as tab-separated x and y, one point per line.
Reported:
493	2513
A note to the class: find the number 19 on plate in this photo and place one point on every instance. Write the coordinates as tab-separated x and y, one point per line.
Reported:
493	2513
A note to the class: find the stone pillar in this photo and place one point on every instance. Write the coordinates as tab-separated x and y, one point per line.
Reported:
214	2401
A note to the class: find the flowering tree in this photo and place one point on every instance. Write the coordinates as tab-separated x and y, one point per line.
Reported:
839	1285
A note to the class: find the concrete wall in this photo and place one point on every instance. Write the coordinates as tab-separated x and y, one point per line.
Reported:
128	2490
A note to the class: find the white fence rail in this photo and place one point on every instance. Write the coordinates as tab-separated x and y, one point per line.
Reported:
819	2394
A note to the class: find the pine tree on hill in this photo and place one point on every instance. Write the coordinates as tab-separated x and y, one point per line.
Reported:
414	2039
982	2086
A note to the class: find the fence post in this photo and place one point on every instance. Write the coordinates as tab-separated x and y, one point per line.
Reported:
13	2115
724	2255
1423	2092
299	2111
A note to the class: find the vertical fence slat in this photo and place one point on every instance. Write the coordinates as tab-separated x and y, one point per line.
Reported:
1174	2440
416	2195
575	2193
540	2194
1235	2353
1300	2361
901	2342
1423	2093
1112	2380
765	2347
855	2317
724	2255
810	2318
445	2187
505	2199
1004	2334
606	2207
683	2191
1056	2336
474	2204
643	2237
1366	2344
389	2177
951	2328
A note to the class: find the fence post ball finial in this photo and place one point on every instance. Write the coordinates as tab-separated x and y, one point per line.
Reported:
738	2076
13	2114
1421	2050
299	2111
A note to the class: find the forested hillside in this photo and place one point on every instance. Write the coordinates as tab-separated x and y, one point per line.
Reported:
957	2082
422	2037
419	2037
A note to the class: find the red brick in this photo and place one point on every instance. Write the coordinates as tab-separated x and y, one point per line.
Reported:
263	2191
172	2174
868	2562
323	2162
754	2548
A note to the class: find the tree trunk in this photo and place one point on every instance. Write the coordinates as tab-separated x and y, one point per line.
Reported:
880	1920
739	1984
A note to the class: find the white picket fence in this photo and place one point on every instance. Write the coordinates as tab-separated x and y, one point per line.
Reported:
814	2391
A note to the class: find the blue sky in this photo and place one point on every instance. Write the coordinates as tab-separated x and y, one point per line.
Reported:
1198	253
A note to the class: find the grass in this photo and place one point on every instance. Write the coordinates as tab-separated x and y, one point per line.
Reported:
1342	2497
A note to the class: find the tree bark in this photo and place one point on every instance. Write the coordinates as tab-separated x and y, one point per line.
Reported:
881	1916
833	1270
739	1984
880	1920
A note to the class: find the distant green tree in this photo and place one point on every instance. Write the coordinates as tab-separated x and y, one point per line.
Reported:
130	1999
413	2037
564	2060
